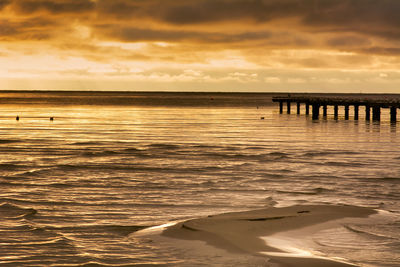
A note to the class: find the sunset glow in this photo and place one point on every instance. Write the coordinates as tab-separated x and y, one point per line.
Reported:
201	45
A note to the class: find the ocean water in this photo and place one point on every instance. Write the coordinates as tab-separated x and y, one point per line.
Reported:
74	190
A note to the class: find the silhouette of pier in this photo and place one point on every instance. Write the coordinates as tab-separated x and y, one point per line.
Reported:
374	105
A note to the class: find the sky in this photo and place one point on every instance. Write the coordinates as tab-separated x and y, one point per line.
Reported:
201	45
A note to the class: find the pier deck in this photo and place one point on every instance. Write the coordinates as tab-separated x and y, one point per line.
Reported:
317	102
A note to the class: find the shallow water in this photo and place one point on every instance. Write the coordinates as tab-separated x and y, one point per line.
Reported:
74	189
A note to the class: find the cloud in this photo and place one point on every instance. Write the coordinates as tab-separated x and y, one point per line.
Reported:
4	3
209	11
33	29
272	80
183	12
378	17
198	35
359	26
336	24
53	7
387	51
349	41
348	13
296	80
135	34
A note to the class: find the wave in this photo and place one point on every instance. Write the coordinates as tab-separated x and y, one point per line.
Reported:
36	172
163	146
233	190
115	229
202	146
103	202
142	153
272	156
311	191
255	147
138	168
132	150
9	141
343	164
160	150
16	202
327	153
394	179
377	231
145	152
12	184
97	264
9	166
99	153
88	143
10	211
58	240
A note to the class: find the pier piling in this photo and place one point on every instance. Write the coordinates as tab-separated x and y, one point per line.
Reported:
376	113
316	102
336	112
346	112
315	111
367	113
356	112
325	110
393	114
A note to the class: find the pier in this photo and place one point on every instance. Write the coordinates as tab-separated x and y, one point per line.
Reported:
374	105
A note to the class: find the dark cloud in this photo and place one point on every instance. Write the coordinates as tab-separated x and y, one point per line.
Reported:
54	7
370	17
32	29
183	12
134	34
315	13
346	25
376	17
345	13
189	12
379	18
348	41
7	29
3	3
386	51
123	9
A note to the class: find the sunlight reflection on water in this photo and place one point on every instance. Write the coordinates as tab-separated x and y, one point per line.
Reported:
135	166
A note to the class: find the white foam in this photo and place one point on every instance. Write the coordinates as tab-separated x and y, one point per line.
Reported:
155	229
294	248
288	246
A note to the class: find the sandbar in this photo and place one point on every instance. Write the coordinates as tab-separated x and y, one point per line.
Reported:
265	232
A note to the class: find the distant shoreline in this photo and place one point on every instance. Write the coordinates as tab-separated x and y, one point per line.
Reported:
160	99
190	92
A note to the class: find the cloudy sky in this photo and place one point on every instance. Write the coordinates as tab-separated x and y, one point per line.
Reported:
201	45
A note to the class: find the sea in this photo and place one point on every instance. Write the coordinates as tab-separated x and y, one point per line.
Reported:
74	190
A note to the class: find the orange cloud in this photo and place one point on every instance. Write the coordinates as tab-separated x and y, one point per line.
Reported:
52	7
228	36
